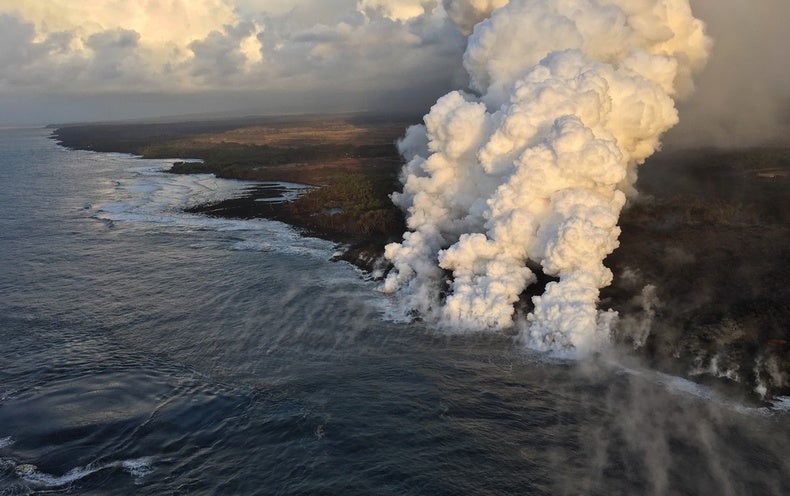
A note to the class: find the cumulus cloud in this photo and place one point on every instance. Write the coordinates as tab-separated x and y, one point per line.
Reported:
466	13
400	10
224	55
19	50
164	25
335	47
107	46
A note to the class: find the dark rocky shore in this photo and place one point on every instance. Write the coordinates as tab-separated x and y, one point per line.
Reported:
362	237
701	275
350	159
703	267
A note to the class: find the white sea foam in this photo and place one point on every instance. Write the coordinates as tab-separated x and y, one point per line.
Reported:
290	191
250	245
146	194
6	394
31	474
138	468
148	189
5	442
781	404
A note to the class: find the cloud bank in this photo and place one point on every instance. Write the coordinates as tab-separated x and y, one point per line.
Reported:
286	49
106	59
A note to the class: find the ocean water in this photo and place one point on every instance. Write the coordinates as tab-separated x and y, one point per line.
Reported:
148	351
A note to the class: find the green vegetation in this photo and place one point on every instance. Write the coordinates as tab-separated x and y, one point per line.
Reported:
347	206
234	154
351	159
355	204
761	159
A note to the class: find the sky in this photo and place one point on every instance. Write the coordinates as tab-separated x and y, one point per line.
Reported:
65	61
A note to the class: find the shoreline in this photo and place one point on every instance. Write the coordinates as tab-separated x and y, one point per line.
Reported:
348	204
700	276
362	251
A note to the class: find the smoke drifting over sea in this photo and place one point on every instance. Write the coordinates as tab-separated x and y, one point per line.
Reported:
533	170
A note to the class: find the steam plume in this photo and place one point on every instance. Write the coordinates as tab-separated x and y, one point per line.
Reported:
573	96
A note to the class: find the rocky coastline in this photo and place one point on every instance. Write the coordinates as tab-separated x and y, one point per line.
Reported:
700	276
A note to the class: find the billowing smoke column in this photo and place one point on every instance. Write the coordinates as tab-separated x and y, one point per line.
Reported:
574	95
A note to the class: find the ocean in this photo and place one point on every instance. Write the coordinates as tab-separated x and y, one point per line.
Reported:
144	350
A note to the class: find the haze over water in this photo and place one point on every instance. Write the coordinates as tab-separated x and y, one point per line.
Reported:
146	351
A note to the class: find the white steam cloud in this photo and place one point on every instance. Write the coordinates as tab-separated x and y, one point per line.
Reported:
466	14
573	96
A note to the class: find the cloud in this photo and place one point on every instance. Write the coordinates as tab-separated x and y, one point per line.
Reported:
28	58
223	55
115	56
301	47
291	48
16	37
162	24
467	13
573	97
400	10
743	95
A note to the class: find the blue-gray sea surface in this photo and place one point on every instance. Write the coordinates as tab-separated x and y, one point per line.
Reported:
147	351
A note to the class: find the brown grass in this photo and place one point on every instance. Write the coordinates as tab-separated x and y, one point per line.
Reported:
319	132
323	172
